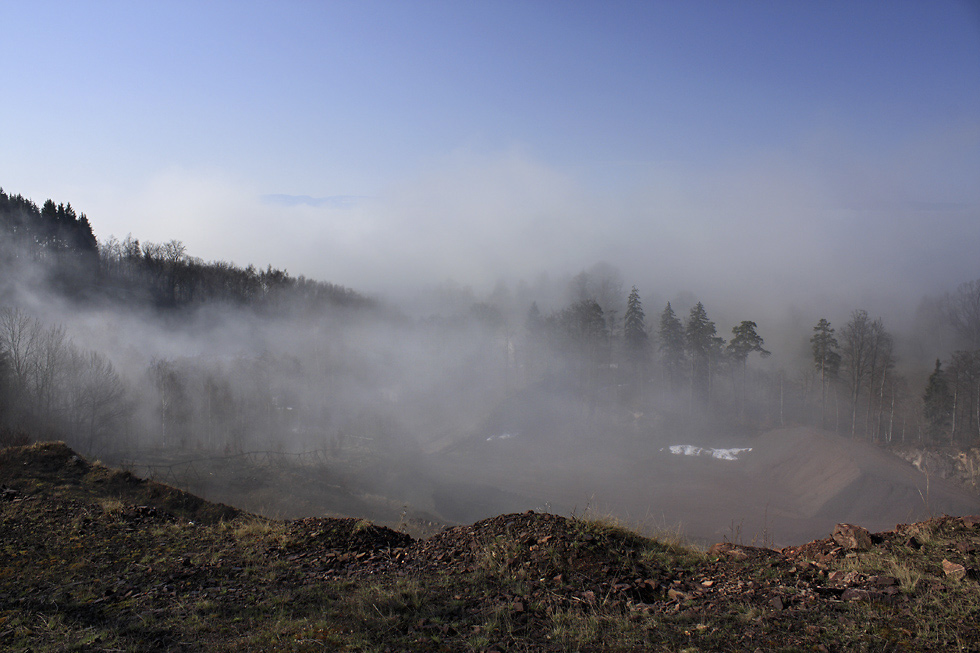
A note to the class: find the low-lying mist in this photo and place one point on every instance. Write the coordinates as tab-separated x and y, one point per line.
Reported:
565	394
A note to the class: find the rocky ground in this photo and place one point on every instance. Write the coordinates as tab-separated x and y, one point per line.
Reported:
95	559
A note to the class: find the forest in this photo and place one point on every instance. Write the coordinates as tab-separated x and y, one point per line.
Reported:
127	345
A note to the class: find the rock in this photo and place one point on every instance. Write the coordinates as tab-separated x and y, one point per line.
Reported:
677	595
852	537
836	576
953	570
883	581
777	604
856	594
971	521
852	578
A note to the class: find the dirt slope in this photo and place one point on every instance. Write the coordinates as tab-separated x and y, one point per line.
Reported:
82	569
820	479
792	487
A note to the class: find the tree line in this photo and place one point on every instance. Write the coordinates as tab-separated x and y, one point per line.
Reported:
330	381
852	384
59	243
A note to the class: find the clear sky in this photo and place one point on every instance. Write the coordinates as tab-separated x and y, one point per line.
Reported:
753	148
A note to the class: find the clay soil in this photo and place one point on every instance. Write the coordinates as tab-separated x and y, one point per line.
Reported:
94	559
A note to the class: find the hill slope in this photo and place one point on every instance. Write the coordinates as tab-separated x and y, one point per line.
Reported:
95	559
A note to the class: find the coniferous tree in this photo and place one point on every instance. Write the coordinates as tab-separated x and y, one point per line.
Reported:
745	341
635	335
672	346
634	328
701	345
826	359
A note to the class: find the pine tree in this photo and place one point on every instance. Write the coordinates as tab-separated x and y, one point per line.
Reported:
826	359
672	346
744	342
701	343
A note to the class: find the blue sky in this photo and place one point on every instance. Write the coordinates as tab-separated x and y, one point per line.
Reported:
806	149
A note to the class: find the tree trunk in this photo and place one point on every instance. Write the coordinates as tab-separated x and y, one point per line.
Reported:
854	414
952	429
881	405
781	423
891	419
823	394
836	411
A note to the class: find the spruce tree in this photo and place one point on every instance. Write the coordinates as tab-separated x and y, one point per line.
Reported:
634	329
672	346
635	334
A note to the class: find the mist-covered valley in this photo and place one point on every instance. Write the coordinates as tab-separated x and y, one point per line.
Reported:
570	393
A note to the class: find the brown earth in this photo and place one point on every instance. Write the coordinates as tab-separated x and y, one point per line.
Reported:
84	567
793	486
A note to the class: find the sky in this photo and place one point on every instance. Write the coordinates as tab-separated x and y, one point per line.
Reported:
807	152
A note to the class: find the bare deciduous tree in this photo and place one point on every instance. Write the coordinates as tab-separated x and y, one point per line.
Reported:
962	311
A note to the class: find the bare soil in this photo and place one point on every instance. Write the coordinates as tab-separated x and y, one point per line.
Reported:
94	559
792	487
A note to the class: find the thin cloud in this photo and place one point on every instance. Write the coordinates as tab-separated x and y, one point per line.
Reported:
333	201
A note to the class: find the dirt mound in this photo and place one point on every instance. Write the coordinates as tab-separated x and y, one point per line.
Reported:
42	459
550	544
818	479
53	467
345	534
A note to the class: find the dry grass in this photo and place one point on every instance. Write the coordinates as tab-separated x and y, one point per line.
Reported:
84	567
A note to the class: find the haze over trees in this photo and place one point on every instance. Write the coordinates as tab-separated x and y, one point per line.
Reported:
211	356
826	360
672	347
